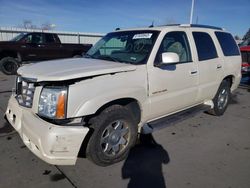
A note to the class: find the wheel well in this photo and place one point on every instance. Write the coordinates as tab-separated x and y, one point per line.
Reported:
130	103
230	79
8	54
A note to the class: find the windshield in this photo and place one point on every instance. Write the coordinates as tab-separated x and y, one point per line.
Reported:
18	37
126	46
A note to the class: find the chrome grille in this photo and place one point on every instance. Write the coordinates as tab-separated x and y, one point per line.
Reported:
25	88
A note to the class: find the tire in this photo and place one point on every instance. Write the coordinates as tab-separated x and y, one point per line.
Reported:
115	132
221	99
9	65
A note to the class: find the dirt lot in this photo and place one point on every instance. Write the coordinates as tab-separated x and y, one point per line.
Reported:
201	152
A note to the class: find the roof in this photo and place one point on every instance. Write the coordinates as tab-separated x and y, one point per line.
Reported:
162	27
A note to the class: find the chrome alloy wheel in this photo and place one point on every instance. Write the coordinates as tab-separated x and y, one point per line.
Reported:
223	99
115	138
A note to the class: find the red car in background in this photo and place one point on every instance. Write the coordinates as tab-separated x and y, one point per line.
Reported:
245	54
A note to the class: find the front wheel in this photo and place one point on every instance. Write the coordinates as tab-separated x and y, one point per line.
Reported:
9	65
221	99
115	132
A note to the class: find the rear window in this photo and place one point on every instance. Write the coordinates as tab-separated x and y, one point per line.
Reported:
205	46
227	44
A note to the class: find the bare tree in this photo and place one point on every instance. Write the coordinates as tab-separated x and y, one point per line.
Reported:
28	24
247	35
48	26
236	37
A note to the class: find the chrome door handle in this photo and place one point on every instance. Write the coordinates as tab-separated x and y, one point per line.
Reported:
193	72
219	66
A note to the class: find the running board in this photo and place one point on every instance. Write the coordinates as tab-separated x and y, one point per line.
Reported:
173	119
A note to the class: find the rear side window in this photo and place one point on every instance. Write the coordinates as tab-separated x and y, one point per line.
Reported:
227	44
50	38
205	46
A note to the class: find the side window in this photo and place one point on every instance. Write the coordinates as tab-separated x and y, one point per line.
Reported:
28	38
49	38
176	42
227	44
37	38
205	46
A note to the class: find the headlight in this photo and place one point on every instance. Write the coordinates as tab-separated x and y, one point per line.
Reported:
53	102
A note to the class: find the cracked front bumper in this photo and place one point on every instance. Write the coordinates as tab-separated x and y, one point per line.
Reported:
57	145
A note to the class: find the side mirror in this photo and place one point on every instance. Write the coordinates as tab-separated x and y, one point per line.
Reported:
170	57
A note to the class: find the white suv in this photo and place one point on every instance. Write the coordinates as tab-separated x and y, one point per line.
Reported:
125	85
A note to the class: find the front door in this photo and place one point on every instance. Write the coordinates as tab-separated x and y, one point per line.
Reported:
33	48
173	87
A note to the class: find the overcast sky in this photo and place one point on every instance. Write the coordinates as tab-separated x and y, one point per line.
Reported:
101	16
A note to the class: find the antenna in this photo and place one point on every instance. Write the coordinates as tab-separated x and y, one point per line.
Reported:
152	25
192	11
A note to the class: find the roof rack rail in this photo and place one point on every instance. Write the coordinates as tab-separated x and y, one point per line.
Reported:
169	25
202	26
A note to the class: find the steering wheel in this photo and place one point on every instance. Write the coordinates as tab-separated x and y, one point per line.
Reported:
129	47
138	46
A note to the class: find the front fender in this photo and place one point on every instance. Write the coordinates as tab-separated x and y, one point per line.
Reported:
86	97
91	106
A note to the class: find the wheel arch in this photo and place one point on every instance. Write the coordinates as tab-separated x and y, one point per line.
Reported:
230	79
131	103
11	53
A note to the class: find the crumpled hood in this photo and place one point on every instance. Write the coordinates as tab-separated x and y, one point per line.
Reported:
66	69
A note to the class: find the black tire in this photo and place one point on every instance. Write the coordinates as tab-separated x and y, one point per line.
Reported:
9	65
106	138
221	99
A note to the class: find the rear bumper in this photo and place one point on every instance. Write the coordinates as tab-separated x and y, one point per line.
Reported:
58	145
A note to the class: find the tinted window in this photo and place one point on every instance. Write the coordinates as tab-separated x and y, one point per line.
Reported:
35	38
176	42
205	46
227	44
49	38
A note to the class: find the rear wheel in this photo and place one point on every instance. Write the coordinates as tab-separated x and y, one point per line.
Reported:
9	65
115	132
221	99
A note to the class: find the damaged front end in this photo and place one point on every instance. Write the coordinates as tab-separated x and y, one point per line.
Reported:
39	116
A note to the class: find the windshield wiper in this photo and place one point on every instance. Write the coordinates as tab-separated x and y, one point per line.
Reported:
87	56
107	57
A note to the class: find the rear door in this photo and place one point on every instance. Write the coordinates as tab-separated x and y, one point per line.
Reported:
173	87
209	65
53	47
